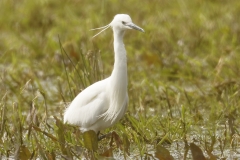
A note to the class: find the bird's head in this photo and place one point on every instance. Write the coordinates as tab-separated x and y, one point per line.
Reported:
123	22
120	22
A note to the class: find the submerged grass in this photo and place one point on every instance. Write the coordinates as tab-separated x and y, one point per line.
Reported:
183	72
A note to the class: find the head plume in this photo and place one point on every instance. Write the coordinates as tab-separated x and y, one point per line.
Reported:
103	29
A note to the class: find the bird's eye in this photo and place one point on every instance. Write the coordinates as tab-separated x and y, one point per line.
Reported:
123	22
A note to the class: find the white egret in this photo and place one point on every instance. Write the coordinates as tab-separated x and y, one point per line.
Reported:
105	102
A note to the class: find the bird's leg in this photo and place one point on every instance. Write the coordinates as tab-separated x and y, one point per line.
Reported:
114	137
98	133
103	136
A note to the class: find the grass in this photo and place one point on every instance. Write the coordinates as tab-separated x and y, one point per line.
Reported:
183	77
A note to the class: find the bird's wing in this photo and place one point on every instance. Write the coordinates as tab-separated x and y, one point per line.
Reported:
88	105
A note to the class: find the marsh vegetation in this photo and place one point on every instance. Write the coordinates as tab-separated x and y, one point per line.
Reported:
184	78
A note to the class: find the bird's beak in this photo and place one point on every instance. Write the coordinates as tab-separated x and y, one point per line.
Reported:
134	26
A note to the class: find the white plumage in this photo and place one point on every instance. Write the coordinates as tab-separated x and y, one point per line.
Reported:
104	103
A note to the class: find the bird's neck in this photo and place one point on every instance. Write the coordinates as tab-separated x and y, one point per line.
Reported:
119	77
120	63
119	50
117	87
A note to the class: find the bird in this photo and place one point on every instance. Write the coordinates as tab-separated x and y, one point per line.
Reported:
104	103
